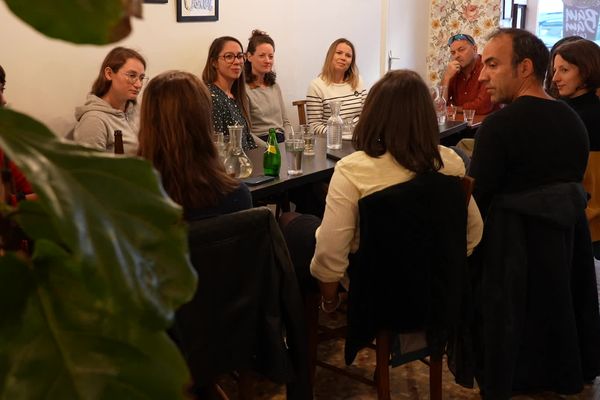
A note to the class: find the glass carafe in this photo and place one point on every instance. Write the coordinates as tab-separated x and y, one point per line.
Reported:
237	163
440	104
335	126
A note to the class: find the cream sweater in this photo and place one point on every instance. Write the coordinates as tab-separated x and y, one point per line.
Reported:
355	177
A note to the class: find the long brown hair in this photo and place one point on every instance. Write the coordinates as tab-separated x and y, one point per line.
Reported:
114	60
175	135
398	117
209	74
351	74
258	37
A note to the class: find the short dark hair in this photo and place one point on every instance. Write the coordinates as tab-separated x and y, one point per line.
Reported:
526	45
548	85
585	54
258	37
398	117
2	75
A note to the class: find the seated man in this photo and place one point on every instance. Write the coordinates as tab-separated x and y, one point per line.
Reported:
539	321
461	77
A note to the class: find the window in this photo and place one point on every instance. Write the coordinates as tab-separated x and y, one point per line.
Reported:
554	20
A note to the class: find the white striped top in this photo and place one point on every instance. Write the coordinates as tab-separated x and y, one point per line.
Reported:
320	94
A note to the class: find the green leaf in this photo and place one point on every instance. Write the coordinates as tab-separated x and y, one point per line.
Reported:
78	21
110	266
65	342
111	213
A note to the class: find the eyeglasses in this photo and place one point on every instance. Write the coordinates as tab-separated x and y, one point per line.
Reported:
461	36
230	57
132	78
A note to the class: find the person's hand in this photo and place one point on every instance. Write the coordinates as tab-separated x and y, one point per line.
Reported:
452	69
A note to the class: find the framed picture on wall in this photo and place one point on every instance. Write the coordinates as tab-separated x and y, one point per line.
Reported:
507	6
156	1
197	10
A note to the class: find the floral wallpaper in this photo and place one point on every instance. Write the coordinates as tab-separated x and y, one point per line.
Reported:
477	18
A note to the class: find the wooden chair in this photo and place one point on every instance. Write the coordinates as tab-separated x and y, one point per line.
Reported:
382	345
301	104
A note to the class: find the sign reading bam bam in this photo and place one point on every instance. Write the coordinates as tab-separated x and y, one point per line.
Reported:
581	18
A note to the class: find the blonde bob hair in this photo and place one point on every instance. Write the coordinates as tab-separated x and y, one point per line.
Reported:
351	74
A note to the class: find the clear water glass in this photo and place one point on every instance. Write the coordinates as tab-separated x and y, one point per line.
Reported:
469	115
308	135
294	148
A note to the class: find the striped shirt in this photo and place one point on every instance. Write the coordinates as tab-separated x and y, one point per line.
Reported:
320	94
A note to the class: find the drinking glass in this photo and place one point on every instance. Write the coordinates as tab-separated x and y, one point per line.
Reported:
294	148
348	129
219	140
309	139
469	115
451	112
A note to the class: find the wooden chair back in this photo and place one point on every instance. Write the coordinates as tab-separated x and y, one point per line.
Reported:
301	105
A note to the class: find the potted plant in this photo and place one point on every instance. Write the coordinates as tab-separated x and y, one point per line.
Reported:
84	315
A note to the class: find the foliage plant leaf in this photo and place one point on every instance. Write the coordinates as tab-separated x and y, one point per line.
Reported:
110	266
62	340
81	21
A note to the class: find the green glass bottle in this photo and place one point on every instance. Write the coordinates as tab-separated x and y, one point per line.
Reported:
272	156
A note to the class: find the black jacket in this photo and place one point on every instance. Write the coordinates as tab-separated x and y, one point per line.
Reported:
541	323
247	312
409	270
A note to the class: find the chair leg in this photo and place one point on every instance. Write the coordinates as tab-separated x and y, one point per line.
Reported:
311	311
435	377
382	369
246	385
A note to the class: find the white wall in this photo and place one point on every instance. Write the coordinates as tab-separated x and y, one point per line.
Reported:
407	34
47	78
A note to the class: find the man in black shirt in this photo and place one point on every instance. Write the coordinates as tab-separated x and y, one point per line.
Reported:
537	320
534	140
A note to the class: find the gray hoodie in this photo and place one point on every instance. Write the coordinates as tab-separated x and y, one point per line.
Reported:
97	122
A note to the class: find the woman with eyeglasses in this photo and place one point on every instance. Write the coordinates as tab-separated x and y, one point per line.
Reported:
224	75
111	105
338	81
265	101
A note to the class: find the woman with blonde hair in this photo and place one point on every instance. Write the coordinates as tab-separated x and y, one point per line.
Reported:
176	136
338	81
111	105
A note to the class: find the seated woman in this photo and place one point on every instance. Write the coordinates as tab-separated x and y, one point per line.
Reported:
264	95
224	75
111	105
394	144
339	81
175	135
19	188
576	77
